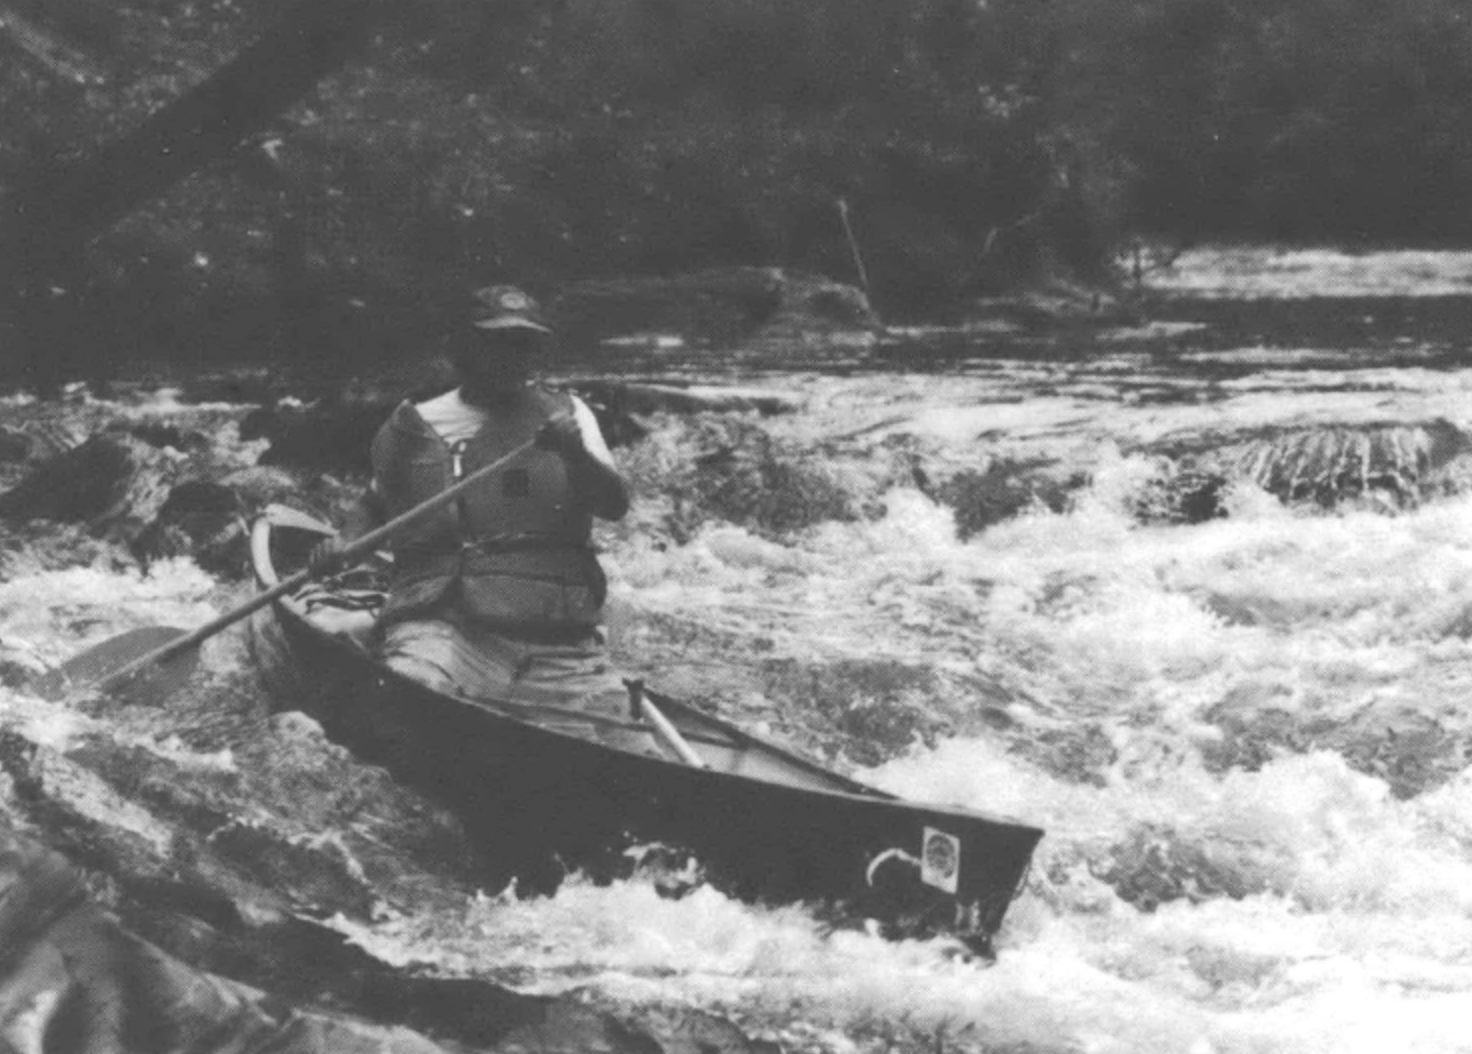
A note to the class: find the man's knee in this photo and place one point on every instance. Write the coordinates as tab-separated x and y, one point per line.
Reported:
421	651
423	671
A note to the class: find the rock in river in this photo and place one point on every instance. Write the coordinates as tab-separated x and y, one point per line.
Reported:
141	913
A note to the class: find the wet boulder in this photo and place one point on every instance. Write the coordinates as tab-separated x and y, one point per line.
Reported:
72	973
1003	489
72	970
15	445
19	663
209	520
198	930
331	436
1393	465
815	308
32	441
1326	465
120	472
1157	865
138	489
642	399
1182	495
200	519
104	478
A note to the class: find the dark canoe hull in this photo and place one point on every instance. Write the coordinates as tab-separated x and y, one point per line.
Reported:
540	800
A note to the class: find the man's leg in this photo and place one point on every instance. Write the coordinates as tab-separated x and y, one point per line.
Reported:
438	654
479	662
476	662
577	676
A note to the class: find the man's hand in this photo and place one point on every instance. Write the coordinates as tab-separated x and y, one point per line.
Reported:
563	435
326	557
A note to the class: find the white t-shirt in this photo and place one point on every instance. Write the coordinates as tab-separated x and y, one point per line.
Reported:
457	421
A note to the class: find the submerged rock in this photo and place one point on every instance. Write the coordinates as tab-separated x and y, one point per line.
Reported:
328	437
153	490
1326	465
73	976
15	445
1392	465
1002	490
1157	865
1412	751
33	441
755	480
877	708
91	482
200	519
19	663
72	973
204	878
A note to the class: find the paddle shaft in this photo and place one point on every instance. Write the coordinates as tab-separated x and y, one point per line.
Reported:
663	726
366	544
671	735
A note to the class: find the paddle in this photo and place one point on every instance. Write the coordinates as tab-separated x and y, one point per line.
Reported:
645	709
105	659
124	658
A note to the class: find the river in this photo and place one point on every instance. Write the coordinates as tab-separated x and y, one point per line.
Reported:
1246	732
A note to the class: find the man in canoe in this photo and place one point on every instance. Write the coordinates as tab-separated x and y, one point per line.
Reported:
498	595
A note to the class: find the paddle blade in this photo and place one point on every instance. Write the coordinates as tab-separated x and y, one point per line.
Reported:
97	663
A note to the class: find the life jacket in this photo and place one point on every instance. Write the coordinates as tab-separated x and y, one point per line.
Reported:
515	551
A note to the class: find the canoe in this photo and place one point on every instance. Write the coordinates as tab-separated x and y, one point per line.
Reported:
544	790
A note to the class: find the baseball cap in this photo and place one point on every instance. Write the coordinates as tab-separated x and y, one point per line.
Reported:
507	307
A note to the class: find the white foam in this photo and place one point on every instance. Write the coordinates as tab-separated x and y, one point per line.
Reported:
1266	272
1306	901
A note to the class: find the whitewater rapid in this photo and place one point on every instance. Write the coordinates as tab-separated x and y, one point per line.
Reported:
1178	903
1247	738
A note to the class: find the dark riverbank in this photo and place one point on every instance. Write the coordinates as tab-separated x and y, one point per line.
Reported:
466	145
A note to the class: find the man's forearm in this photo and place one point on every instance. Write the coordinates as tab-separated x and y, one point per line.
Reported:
608	495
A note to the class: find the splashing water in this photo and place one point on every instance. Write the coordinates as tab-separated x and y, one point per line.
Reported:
1247	737
1204	719
1253	272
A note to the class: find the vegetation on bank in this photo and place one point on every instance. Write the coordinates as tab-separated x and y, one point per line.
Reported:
966	147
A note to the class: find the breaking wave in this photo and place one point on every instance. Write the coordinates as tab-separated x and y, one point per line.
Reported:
1244	731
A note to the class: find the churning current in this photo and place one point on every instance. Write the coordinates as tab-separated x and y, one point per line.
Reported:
1203	611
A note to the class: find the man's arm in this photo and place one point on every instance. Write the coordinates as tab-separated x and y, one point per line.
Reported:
362	516
590	465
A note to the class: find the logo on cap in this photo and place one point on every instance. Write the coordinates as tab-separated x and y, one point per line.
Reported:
506	307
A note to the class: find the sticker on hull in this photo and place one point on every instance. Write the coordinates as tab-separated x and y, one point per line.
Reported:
940	860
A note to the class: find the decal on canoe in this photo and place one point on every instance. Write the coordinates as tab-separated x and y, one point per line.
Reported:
940	860
886	856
